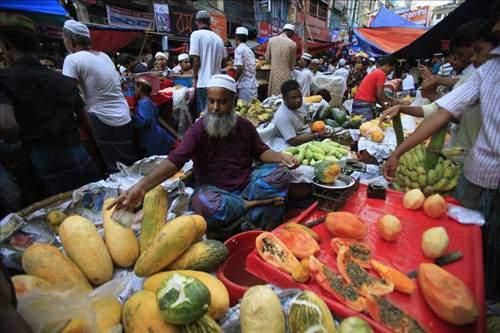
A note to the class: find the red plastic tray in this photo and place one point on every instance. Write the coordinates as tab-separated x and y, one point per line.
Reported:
405	255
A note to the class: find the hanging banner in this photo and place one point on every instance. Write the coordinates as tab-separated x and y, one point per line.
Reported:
264	29
418	16
219	24
162	17
121	17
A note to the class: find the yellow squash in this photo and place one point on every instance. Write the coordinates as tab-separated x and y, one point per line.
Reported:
48	263
141	315
108	313
155	208
86	249
121	241
218	293
174	238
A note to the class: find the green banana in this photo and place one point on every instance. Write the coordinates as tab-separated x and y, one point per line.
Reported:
440	184
413	176
397	187
422	180
451	184
428	190
431	177
439	170
421	171
453	151
407	181
415	185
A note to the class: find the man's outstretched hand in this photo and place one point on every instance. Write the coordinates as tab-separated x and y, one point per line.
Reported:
129	199
390	166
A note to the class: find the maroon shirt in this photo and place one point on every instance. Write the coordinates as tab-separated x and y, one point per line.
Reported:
222	162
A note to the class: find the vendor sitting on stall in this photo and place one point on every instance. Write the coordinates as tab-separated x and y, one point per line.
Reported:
223	148
184	65
291	118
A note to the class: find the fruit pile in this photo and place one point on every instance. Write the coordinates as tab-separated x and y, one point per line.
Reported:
254	111
412	173
337	118
261	64
315	151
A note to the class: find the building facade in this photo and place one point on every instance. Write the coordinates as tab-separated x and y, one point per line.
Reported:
440	12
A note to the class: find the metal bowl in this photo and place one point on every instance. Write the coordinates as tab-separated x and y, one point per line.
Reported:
343	182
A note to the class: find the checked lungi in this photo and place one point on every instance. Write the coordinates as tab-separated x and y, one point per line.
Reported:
222	208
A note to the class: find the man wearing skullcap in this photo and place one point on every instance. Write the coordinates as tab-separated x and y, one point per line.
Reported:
208	51
38	107
303	74
100	85
281	54
160	63
184	65
223	147
244	60
342	71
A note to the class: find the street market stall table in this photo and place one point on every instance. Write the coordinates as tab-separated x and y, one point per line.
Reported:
405	255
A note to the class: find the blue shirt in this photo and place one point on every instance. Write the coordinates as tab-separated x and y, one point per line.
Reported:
153	138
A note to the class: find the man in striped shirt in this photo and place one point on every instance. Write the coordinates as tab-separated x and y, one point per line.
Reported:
479	186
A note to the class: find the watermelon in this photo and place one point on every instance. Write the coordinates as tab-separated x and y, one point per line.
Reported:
182	299
339	116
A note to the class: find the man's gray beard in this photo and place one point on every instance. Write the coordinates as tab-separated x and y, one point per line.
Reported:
219	126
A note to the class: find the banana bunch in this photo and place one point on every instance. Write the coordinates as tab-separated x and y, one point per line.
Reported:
412	174
254	111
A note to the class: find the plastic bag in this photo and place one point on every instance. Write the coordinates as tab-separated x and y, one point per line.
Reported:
335	85
51	309
181	112
121	287
465	215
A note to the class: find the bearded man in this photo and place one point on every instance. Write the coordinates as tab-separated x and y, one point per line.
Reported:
223	146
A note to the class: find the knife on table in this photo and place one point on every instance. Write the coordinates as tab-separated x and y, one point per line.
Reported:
441	261
313	223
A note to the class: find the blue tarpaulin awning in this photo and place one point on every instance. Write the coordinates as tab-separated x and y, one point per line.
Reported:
51	7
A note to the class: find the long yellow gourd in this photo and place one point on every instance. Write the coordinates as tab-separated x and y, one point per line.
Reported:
154	208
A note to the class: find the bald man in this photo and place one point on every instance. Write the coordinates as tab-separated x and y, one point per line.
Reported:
223	148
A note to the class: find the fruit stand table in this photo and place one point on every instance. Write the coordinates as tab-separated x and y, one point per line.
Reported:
405	254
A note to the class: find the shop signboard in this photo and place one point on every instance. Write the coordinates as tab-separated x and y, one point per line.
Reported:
219	24
418	15
264	29
162	17
127	18
264	6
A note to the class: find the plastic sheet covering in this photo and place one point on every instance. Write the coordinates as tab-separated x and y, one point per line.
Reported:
405	255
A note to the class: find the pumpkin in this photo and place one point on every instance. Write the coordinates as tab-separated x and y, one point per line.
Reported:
276	253
327	171
449	298
203	325
182	299
300	242
219	296
203	256
389	227
435	242
356	251
401	282
389	315
260	311
309	313
354	325
359	277
435	206
335	285
345	224
318	126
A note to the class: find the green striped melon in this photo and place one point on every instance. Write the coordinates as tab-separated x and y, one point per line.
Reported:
203	325
309	314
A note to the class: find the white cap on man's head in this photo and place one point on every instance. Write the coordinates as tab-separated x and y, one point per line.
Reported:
306	56
242	31
161	55
342	62
315	61
289	26
202	14
182	57
372	59
77	28
222	81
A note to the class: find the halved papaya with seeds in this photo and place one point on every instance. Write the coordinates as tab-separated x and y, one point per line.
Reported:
335	285
392	317
274	252
298	241
353	273
357	251
401	282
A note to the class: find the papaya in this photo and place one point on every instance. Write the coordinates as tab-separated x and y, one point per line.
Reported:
23	283
449	298
306	229
345	224
357	251
300	242
141	314
108	313
363	282
327	171
201	226
121	241
276	253
219	296
46	262
335	285
401	282
174	238
86	248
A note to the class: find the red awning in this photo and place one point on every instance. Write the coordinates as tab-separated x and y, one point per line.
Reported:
111	40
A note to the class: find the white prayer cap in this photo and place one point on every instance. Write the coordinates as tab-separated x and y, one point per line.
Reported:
306	56
77	28
372	59
222	81
161	55
182	57
342	62
289	26
315	61
202	14
242	31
